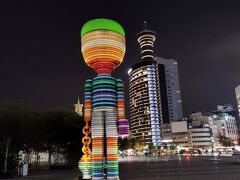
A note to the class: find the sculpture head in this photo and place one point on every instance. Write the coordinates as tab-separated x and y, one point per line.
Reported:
103	45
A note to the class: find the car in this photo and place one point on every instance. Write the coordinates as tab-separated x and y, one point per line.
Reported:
195	151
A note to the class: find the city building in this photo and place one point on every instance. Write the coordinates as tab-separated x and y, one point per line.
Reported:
226	126
228	108
226	120
237	91
225	108
154	93
208	132
191	134
145	104
200	137
166	135
78	108
180	134
203	130
170	93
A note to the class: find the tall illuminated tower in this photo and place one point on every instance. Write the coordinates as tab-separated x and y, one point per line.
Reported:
146	40
145	107
155	98
103	49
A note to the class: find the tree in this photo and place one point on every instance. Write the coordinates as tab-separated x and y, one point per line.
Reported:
62	133
173	147
56	132
11	116
123	144
129	143
225	141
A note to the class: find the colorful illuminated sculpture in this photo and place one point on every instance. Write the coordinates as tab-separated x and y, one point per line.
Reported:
103	49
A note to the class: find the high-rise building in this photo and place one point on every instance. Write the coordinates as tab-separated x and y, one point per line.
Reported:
170	93
237	90
154	92
144	93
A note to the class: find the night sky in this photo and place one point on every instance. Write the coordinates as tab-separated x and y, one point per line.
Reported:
42	67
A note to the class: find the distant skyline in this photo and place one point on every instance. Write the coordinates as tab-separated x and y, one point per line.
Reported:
41	64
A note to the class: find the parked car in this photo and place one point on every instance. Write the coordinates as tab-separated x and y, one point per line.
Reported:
195	151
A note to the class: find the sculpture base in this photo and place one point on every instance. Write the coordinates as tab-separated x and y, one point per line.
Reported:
81	178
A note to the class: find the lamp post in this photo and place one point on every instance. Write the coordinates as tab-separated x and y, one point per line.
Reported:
212	142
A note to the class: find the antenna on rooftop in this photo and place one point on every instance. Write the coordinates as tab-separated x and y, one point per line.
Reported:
145	24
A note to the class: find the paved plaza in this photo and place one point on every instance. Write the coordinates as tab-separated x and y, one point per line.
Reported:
185	168
161	168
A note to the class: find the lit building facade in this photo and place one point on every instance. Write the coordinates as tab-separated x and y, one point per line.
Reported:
206	122
203	130
144	93
192	134
214	125
154	92
200	137
226	126
237	91
180	134
200	132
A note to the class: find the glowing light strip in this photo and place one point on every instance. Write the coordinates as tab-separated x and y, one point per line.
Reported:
102	34
147	56
103	50
147	36
100	44
143	42
147	50
123	126
85	164
155	129
146	44
103	44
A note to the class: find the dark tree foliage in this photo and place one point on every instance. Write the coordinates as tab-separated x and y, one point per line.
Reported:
55	131
62	133
11	141
225	141
123	144
129	143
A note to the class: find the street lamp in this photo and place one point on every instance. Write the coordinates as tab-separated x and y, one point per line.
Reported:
212	141
189	143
